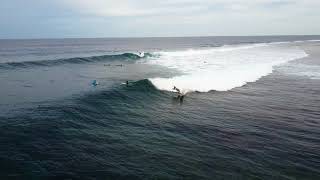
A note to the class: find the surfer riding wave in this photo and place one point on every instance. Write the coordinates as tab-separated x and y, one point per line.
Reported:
180	94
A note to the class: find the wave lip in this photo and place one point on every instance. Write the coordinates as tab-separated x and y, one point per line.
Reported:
222	69
76	60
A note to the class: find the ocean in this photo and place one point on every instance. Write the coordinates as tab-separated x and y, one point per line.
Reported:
105	108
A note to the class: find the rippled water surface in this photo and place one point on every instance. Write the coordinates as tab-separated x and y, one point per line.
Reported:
251	109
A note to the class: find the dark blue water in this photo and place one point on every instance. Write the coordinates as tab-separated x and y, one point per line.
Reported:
54	124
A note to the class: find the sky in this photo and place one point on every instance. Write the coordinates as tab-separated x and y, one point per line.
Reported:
157	18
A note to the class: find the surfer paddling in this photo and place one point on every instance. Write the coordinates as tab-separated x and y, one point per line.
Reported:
95	83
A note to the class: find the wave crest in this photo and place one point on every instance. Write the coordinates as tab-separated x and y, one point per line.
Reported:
76	60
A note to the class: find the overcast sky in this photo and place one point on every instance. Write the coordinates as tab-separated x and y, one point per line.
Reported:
140	18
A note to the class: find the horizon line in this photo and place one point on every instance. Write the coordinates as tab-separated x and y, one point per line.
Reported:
142	37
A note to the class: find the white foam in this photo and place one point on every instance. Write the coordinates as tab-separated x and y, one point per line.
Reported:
222	68
316	40
140	54
298	69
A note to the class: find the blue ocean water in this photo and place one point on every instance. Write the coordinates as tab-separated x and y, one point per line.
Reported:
251	108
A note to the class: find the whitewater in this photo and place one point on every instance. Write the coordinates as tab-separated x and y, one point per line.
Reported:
222	68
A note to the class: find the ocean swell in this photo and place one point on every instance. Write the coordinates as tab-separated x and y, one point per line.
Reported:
76	60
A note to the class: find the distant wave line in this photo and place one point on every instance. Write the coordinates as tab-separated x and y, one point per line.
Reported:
75	60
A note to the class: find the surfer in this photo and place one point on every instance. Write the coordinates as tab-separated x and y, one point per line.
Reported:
95	83
175	88
180	95
127	83
181	99
141	54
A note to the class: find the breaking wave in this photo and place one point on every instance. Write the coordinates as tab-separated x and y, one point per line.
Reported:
223	68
